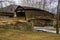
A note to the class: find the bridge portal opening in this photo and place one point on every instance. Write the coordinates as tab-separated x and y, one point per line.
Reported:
20	11
20	14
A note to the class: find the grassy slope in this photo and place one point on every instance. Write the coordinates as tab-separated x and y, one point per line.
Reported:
13	34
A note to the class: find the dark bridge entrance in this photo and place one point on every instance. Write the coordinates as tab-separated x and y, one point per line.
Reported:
20	14
20	11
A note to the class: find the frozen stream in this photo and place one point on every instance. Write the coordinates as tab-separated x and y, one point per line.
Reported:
50	29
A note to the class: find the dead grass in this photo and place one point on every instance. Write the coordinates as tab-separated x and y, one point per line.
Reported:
11	34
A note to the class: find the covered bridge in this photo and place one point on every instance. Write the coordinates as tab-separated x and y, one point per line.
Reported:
37	16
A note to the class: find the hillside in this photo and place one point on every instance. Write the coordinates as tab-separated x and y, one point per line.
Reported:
13	34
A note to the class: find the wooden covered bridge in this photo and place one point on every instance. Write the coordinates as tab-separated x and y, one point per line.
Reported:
37	16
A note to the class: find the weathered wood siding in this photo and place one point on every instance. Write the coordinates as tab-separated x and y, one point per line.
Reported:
32	14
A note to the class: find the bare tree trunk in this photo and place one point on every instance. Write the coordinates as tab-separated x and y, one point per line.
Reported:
57	25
